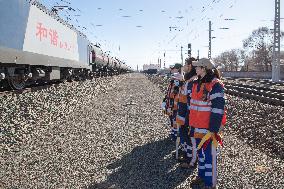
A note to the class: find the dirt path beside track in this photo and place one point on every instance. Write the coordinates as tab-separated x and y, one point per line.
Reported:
110	133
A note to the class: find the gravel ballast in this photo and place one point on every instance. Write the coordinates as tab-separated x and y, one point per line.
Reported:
110	133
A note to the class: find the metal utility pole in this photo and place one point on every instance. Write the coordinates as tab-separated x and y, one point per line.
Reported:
181	55
276	45
209	50
197	55
189	50
164	60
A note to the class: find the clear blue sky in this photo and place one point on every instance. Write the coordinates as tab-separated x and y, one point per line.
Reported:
137	31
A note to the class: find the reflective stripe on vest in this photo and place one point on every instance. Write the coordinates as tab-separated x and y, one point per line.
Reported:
200	102
200	108
216	95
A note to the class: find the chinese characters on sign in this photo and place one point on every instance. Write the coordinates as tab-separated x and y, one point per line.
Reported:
43	33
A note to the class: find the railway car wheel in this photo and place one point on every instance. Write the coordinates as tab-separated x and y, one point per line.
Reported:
17	83
70	78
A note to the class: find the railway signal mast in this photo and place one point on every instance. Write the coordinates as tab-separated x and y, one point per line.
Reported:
276	45
189	50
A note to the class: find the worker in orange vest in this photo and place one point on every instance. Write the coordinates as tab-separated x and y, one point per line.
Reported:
207	110
189	157
171	95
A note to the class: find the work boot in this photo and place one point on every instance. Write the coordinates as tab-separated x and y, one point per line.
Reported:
182	158
181	155
197	182
179	152
187	165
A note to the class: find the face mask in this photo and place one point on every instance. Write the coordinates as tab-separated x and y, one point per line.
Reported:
176	82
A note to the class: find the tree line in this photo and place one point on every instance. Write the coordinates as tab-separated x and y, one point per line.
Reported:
256	54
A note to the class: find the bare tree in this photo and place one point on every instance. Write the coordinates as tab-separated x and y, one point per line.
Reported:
260	45
230	60
233	60
242	57
222	61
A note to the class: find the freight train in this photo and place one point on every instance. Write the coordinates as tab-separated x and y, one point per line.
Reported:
37	45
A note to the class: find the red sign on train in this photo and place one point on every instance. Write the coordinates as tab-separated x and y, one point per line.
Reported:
52	35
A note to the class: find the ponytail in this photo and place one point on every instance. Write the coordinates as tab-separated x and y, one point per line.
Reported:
211	73
190	74
216	73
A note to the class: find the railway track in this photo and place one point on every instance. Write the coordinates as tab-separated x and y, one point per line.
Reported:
257	82
261	92
6	91
32	87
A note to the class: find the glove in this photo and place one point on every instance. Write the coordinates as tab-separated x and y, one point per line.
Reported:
163	106
207	138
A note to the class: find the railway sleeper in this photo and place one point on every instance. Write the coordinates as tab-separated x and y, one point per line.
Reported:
255	87
263	99
257	92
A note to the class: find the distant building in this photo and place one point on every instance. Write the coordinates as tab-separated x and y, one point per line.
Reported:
165	71
151	67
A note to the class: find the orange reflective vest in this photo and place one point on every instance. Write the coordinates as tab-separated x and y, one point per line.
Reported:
200	105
